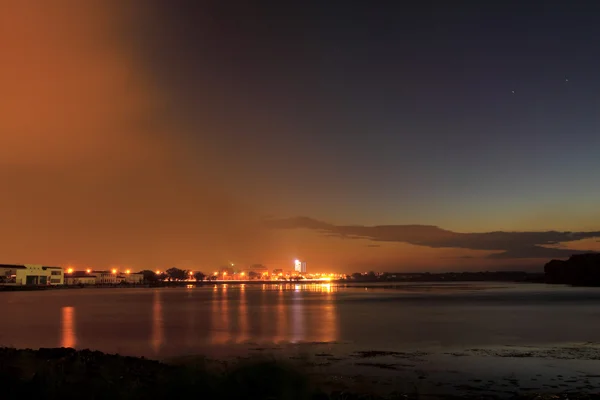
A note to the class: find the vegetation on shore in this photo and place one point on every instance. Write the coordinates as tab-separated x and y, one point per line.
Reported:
578	270
70	374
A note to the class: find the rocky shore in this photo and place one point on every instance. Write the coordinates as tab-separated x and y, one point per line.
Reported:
70	374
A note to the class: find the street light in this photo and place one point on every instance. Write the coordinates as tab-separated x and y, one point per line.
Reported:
157	272
88	270
114	271
127	272
69	270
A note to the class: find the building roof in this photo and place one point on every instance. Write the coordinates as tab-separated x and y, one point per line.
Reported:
12	266
79	274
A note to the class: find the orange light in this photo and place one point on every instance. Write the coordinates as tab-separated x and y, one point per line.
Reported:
224	273
114	271
191	273
88	270
216	273
127	272
242	274
70	271
157	272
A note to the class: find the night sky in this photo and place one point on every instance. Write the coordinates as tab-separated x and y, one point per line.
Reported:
353	135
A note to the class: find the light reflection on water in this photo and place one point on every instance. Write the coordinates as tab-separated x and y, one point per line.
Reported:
175	321
68	334
157	322
244	333
281	321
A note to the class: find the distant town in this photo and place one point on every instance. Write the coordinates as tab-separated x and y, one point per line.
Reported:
579	270
40	275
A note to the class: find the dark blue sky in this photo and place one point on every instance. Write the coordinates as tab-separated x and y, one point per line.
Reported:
394	113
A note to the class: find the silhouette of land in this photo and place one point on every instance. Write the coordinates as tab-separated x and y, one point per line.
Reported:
498	276
578	270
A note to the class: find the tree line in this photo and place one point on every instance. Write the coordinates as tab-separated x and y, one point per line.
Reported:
171	275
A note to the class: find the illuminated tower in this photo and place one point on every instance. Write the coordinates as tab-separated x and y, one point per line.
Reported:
300	266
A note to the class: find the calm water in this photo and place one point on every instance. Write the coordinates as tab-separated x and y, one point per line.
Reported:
169	322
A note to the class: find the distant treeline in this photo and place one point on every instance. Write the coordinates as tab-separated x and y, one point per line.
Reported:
505	276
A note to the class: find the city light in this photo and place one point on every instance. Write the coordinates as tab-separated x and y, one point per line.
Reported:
88	270
127	272
157	272
70	271
114	271
242	274
191	273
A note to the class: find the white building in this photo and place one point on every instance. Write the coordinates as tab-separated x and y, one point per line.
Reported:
80	278
31	274
133	278
106	277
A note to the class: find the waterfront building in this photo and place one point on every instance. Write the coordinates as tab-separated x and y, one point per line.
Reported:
31	274
133	278
80	278
107	277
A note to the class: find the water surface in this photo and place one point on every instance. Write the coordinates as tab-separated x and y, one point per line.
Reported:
169	322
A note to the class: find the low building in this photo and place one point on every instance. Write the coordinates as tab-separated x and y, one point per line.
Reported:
107	278
80	278
134	278
31	274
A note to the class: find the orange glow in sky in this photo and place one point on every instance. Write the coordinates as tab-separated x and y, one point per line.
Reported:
100	167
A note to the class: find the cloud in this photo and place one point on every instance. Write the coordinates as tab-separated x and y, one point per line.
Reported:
509	244
536	252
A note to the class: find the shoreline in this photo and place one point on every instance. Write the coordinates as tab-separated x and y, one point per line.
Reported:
65	372
337	283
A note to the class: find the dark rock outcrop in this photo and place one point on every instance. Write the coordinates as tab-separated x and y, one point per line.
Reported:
578	270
